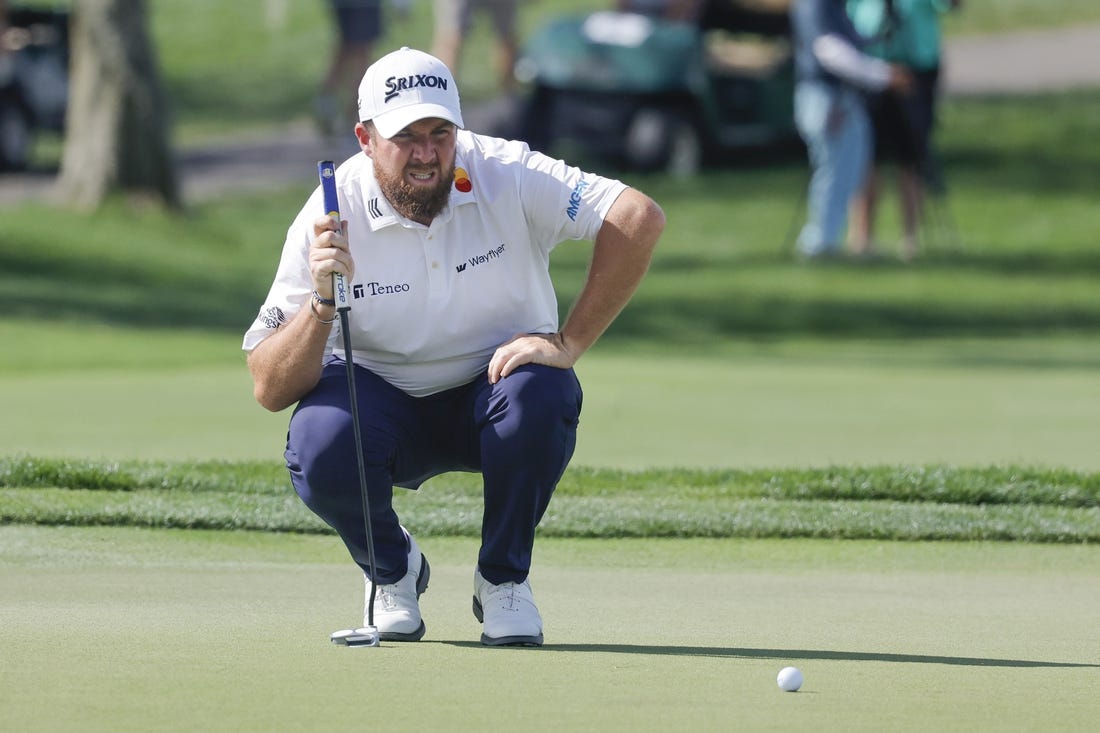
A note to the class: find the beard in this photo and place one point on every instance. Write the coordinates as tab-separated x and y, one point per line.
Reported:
416	202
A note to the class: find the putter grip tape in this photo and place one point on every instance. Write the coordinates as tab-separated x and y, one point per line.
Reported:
326	171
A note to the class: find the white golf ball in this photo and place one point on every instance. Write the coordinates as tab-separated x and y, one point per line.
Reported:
789	679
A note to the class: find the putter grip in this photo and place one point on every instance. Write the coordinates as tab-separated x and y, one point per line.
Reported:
326	171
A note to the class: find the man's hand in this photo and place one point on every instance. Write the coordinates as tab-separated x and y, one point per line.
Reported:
529	348
328	253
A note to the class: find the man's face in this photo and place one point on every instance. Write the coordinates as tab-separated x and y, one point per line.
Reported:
415	167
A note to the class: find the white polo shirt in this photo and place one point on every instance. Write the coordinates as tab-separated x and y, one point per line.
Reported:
430	304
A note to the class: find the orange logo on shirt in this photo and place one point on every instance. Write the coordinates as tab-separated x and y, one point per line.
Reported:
462	180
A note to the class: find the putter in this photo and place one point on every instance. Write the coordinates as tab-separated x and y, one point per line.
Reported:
364	635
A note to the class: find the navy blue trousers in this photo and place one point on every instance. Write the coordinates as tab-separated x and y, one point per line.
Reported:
518	433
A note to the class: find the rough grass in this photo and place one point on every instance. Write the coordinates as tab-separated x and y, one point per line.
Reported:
900	503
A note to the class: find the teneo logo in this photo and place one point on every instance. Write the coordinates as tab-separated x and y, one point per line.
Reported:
575	199
397	84
380	289
482	259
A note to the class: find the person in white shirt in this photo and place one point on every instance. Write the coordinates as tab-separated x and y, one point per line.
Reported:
831	74
461	364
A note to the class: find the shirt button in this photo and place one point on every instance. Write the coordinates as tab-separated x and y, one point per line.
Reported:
435	265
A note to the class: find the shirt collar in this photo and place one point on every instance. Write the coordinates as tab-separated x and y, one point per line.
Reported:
381	214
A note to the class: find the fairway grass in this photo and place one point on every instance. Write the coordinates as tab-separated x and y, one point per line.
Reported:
138	630
1027	402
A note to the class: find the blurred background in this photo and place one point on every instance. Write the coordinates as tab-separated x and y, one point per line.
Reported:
258	67
139	235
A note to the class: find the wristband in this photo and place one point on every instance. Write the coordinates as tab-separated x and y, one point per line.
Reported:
318	318
322	301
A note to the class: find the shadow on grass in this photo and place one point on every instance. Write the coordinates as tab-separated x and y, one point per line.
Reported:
792	654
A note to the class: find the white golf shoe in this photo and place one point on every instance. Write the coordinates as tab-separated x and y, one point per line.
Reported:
396	610
508	613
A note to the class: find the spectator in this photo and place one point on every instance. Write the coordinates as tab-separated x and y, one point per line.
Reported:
675	10
453	19
4	26
830	72
460	363
905	32
358	25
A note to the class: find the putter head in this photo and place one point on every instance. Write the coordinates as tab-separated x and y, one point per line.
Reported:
363	636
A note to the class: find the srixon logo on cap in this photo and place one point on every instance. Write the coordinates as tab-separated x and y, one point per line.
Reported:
397	84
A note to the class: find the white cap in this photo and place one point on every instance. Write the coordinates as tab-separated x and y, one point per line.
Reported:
405	86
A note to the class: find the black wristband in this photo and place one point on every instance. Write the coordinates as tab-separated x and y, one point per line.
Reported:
322	301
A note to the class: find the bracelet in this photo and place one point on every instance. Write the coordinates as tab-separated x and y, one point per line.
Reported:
320	320
322	301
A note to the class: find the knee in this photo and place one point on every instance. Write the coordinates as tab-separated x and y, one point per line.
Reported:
321	449
543	397
317	433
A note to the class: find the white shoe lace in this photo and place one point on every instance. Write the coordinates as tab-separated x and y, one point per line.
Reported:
504	595
508	596
386	596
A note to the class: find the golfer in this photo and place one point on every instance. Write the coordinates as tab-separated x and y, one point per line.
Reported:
461	364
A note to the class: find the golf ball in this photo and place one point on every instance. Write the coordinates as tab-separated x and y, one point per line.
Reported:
789	679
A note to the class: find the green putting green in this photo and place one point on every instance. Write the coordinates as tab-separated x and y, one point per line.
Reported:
136	630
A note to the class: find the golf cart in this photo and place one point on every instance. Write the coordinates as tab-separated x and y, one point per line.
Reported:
652	93
34	86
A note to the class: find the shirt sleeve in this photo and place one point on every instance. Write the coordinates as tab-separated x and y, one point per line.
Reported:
847	62
563	202
293	283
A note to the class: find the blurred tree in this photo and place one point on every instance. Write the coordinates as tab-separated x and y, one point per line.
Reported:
116	130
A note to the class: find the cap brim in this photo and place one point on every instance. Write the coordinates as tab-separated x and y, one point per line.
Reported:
390	123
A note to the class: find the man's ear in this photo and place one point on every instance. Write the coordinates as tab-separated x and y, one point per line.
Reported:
366	141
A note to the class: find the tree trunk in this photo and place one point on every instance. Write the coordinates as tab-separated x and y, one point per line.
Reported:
116	129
